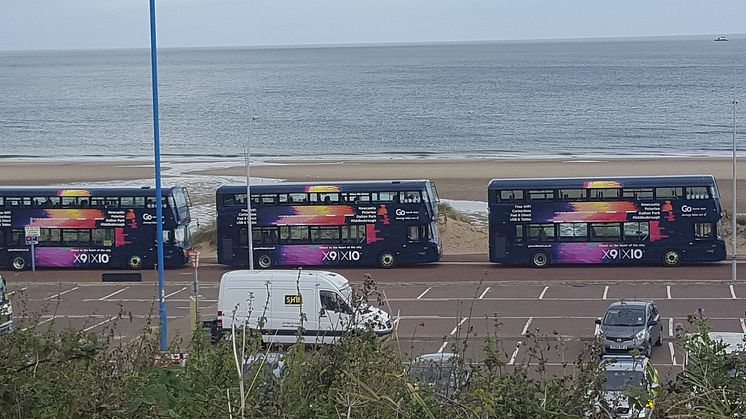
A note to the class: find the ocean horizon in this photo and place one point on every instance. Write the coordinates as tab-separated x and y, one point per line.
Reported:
661	96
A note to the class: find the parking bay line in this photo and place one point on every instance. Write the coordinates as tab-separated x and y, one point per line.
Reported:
453	332
733	292
606	291
670	326
113	293
544	291
60	294
668	291
525	327
99	323
743	325
488	288
424	292
175	292
673	354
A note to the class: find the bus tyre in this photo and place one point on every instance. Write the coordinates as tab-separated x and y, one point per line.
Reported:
134	262
264	261
386	260
18	263
671	258
540	260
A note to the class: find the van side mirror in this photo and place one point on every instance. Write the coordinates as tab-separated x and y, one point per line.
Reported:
598	322
652	323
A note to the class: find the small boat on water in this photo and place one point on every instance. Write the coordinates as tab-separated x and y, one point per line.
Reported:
720	38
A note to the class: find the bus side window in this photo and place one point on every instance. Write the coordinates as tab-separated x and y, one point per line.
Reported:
519	237
69	202
703	231
671	193
697	192
541	232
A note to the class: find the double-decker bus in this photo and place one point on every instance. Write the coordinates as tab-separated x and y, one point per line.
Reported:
625	220
87	227
384	223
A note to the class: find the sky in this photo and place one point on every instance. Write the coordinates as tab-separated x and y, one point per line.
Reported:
93	24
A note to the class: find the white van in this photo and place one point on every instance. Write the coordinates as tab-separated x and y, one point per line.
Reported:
283	302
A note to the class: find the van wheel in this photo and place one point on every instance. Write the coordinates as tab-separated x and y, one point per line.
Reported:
386	260
671	258
18	263
264	261
540	260
134	262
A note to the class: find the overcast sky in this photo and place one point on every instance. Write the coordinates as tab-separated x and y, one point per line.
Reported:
56	24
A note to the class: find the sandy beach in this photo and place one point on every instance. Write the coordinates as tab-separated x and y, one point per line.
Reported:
455	178
467	179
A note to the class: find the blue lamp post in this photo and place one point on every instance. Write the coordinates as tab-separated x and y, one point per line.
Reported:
158	196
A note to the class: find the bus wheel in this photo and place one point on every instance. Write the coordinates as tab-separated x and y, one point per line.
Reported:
540	260
18	263
671	258
134	262
386	260
264	261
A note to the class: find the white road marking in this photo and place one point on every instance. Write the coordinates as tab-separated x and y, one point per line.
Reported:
525	327
515	354
606	291
40	323
668	291
544	291
442	347
488	288
733	292
175	292
453	332
61	293
743	325
113	294
424	292
99	323
670	326
673	354
396	320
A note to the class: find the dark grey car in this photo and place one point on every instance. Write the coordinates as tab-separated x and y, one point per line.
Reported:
629	325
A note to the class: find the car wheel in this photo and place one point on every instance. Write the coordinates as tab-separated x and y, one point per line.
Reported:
264	261
386	260
671	258
18	263
134	262
540	260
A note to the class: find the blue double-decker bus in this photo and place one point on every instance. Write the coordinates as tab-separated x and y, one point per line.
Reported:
92	227
383	223
624	220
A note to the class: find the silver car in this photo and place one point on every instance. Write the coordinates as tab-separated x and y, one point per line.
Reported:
631	325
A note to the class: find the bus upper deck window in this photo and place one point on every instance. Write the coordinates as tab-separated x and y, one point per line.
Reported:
387	196
127	201
697	192
572	194
604	194
541	195
412	197
69	201
671	193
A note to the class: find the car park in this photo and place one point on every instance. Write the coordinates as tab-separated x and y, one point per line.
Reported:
630	387
442	372
631	325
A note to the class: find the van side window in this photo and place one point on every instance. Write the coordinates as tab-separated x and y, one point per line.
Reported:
331	301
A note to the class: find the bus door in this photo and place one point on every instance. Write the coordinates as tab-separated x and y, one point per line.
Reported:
501	236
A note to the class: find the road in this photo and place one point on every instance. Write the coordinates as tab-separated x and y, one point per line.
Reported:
435	307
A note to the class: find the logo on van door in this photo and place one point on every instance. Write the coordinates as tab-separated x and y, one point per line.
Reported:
293	299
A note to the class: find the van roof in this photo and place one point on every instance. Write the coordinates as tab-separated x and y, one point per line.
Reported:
287	275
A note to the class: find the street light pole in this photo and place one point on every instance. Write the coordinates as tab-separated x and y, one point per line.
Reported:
158	198
248	195
734	225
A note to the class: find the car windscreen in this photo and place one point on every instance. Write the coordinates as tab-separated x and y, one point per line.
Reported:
624	317
621	380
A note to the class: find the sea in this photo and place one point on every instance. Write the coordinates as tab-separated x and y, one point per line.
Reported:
522	99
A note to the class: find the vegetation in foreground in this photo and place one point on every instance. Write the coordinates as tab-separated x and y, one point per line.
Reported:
74	374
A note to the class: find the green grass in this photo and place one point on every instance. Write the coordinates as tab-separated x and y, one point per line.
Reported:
445	209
